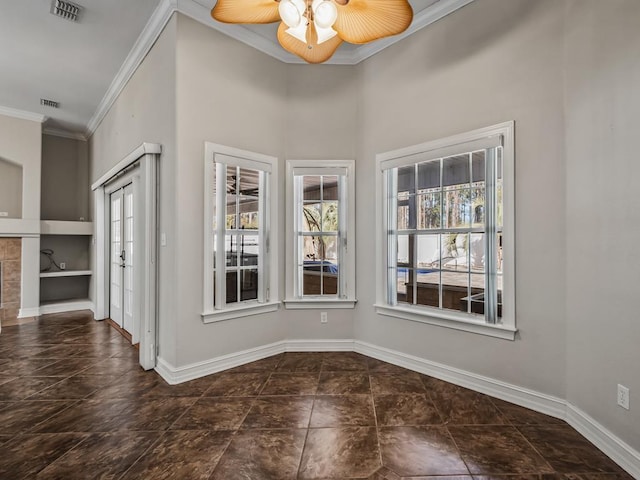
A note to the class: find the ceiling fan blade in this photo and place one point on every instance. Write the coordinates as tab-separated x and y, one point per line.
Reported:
246	11
315	54
362	21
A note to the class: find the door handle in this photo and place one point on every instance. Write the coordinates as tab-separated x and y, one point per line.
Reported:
123	256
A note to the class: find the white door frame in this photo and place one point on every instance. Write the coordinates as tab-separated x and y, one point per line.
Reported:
147	155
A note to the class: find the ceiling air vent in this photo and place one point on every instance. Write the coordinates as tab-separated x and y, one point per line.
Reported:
49	103
66	10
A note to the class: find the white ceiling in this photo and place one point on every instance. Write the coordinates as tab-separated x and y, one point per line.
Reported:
84	65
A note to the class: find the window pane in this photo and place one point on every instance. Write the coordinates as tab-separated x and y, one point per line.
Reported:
429	210
455	251
457	208
454	290
249	182
249	284
403	280
231	250
477	166
478	207
330	187
232	210
311	217
428	251
311	187
477	252
329	280
329	251
455	170
403	250
406	220
429	175
428	288
330	216
499	254
407	179
499	283
476	301
232	286
248	249
311	282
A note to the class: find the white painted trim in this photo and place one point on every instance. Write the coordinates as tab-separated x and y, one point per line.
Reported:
65	306
454	320
300	304
175	375
64	134
57	227
240	311
22	114
66	273
28	312
141	48
142	150
525	397
612	446
19	227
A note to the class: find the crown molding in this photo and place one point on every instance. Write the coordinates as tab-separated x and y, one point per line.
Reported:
140	49
22	114
64	134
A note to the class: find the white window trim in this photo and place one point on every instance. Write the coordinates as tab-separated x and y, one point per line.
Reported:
321	167
436	149
271	304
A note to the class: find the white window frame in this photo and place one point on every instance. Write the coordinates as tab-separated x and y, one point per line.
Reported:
496	135
215	311
346	297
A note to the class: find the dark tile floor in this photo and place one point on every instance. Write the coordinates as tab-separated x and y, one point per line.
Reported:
75	405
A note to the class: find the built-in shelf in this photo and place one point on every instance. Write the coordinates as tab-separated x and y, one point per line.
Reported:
66	273
57	227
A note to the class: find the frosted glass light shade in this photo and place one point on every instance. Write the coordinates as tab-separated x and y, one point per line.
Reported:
325	13
325	34
291	12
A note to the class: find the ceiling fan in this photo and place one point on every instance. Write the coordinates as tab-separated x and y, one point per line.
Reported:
314	29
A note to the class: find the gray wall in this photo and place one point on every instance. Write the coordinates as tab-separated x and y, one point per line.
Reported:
65	179
602	97
490	62
10	189
146	112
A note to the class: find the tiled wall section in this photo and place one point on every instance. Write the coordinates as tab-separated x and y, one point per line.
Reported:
11	258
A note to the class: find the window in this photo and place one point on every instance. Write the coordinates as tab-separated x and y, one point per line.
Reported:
448	232
320	224
239	226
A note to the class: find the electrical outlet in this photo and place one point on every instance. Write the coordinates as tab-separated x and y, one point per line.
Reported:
63	266
323	317
623	396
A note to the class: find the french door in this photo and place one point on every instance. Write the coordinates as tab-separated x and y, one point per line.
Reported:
121	304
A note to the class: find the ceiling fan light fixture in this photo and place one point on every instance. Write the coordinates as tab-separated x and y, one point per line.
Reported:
299	32
325	13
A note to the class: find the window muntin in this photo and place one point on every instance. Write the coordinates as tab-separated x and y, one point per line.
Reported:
447	237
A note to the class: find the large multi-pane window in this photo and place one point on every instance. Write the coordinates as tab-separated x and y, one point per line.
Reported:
320	206
444	219
238	223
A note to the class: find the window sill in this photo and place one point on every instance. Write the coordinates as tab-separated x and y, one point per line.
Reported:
299	304
230	313
442	319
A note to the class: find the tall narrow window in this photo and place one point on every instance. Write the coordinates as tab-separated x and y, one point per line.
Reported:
446	244
238	228
321	225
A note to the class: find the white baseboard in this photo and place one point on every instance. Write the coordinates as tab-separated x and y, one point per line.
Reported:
28	312
612	446
537	401
66	306
175	375
620	452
